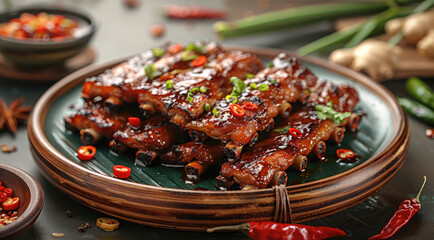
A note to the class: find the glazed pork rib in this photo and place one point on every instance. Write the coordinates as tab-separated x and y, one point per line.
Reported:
264	164
95	121
266	95
118	84
190	93
154	136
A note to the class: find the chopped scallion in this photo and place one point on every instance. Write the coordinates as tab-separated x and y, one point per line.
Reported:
158	52
169	84
263	87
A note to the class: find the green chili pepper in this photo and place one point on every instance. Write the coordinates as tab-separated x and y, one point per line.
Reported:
420	91
417	110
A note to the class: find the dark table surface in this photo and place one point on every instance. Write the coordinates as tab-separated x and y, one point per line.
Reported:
124	31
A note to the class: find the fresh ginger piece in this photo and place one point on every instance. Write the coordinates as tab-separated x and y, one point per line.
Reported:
417	26
426	45
393	26
374	58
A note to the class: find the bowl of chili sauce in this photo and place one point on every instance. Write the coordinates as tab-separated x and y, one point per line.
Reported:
43	36
23	203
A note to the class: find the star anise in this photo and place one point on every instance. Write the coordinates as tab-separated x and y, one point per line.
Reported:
10	117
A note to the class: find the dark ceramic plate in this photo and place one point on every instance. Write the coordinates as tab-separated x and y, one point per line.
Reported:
325	188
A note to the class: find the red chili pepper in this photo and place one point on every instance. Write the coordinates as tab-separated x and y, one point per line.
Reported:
174	11
199	61
344	153
1	182
8	192
3	197
295	132
237	110
134	121
405	212
2	188
175	48
11	203
250	106
278	231
120	171
86	152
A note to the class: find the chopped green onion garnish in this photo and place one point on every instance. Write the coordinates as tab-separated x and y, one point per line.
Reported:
193	90
253	86
195	48
202	89
234	79
169	84
190	97
188	56
215	112
263	87
151	71
239	86
325	112
250	76
232	99
270	64
284	130
158	52
308	90
273	81
207	107
331	103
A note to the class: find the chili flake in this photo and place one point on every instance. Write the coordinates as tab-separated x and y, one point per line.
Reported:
134	122
199	61
250	106
295	132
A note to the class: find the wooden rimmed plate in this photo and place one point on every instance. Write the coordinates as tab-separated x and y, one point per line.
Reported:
157	196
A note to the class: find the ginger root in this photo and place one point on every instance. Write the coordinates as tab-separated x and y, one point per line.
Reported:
415	29
375	58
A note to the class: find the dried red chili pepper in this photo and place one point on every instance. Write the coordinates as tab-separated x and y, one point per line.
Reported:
344	153
405	212
86	152
134	121
278	231
295	132
120	171
237	110
183	12
199	61
250	106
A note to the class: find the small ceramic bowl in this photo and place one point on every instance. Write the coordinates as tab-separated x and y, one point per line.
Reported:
31	200
29	52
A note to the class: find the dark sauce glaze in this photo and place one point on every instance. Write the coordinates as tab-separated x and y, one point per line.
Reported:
122	80
285	81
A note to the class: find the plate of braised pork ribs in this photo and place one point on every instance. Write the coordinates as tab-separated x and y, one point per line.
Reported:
200	135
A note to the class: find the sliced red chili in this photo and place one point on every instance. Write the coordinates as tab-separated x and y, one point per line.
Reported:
2	188
199	61
295	132
3	197
134	121
11	203
120	171
344	153
237	110
9	192
250	106
175	48
86	152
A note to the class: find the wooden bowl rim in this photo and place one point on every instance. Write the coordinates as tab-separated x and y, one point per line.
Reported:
40	111
34	208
